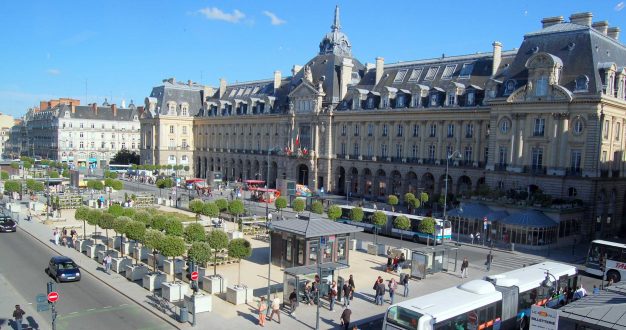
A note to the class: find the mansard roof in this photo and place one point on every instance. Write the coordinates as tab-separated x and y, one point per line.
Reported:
172	91
88	112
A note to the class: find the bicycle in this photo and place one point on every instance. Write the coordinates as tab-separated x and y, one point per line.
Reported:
160	303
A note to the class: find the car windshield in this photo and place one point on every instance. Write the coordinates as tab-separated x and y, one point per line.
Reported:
5	221
67	265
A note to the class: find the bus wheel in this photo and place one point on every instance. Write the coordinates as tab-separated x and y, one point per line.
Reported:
613	275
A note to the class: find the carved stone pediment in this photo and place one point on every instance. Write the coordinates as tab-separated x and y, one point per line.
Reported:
526	93
305	90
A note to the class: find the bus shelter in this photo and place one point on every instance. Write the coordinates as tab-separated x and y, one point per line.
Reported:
298	277
431	260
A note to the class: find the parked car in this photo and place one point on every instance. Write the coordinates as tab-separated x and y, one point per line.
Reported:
63	269
7	224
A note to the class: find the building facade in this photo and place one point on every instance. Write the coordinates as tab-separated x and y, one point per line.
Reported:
544	118
81	136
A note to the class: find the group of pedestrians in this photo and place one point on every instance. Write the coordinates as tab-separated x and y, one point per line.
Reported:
392	286
61	237
465	265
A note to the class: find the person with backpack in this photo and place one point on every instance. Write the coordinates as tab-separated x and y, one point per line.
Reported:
392	289
380	292
293	301
352	286
405	283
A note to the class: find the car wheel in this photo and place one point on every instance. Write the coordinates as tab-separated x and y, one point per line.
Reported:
613	275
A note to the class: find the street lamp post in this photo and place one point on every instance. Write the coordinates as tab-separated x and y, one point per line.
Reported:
267	226
455	154
48	198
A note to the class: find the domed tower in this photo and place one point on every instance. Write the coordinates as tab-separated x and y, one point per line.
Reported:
335	41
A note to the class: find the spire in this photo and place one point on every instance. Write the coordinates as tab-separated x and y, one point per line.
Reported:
336	25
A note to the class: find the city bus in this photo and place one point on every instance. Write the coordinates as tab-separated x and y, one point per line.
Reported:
443	228
498	302
606	259
118	168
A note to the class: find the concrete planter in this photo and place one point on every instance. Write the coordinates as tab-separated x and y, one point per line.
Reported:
376	249
153	281
82	244
102	254
235	234
128	247
201	302
213	284
141	253
202	272
174	291
159	258
114	242
92	250
353	245
119	264
238	295
136	273
173	267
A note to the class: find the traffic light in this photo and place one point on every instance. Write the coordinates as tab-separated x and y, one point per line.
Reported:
50	286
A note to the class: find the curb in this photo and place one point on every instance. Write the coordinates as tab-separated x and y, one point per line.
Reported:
167	320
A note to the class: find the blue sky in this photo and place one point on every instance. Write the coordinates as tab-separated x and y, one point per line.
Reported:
120	49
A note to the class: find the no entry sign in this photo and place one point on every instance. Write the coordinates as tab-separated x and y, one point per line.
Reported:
194	276
53	296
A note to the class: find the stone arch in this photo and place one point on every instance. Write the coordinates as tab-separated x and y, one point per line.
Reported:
396	183
353	177
341	180
442	184
412	182
198	167
464	185
303	174
381	183
247	167
367	182
271	182
428	183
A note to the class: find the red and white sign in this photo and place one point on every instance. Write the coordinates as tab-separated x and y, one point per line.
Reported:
53	296
194	276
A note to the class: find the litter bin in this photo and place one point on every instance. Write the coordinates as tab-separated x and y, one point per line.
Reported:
340	282
183	315
512	246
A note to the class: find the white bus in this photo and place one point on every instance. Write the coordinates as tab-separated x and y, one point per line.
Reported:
499	302
606	258
119	168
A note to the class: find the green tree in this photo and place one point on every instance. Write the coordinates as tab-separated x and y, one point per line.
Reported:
222	204
106	222
195	233
210	209
173	227
239	248
125	156
424	197
53	174
317	207
143	216
153	239
129	212
334	212
93	218
116	210
356	214
95	184
402	223
415	203
280	203
159	221
427	226
379	219
196	206
236	208
173	246
164	183
200	253
34	186
4	175
27	164
408	197
393	201
65	173
15	165
117	185
298	205
217	240
135	231
12	186
119	225
82	213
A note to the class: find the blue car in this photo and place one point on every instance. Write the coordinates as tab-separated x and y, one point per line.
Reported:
7	224
63	269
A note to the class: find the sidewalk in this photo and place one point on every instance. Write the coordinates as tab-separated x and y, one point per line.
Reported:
10	298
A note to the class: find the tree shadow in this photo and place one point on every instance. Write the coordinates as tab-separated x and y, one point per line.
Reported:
250	317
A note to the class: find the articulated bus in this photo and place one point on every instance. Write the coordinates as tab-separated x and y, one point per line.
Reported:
607	259
498	302
119	168
443	228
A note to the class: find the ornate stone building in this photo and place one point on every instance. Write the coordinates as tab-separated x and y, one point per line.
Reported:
547	116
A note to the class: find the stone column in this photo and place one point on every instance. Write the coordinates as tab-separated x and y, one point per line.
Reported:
477	137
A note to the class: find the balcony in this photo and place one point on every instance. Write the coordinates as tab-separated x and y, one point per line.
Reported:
535	170
366	157
500	167
574	171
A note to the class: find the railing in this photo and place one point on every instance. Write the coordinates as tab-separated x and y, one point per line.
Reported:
535	170
500	167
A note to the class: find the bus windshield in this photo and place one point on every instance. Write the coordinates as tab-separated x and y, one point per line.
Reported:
403	318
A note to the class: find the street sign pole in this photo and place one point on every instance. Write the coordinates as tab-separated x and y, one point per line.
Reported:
53	296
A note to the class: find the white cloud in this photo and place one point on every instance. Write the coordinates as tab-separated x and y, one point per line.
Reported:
274	18
619	6
214	13
53	72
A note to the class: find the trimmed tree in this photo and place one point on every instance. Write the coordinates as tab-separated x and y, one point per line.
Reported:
239	248
280	203
236	208
153	240
135	231
408	197
402	223
424	198
173	246
334	212
4	175
317	207
298	205
356	214
143	216
200	253
194	233
159	221
173	227
106	223
379	219
119	225
129	212
164	183
415	203
210	209
196	206
12	186
82	213
427	226
116	210
53	174
222	204
93	219
217	240
393	201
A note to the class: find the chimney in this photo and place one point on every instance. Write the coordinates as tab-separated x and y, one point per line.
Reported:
497	57
171	80
277	80
346	77
114	108
380	63
581	18
94	107
549	21
613	32
222	87
601	26
295	69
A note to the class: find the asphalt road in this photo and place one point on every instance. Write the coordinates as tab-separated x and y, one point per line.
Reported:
87	304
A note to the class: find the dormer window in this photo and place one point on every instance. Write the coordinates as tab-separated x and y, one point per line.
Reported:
415	75
400	101
448	71
434	100
370	102
471	99
184	110
509	86
432	72
451	101
400	76
542	86
582	84
466	70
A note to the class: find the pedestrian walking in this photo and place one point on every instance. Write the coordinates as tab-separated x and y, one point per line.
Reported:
261	310
347	292
293	300
74	239
308	294
275	308
352	286
405	284
472	237
332	295
380	292
464	266
477	238
489	261
375	288
55	234
389	259
18	316
392	289
107	263
345	318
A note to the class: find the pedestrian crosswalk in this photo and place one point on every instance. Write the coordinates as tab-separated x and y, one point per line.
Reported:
512	261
